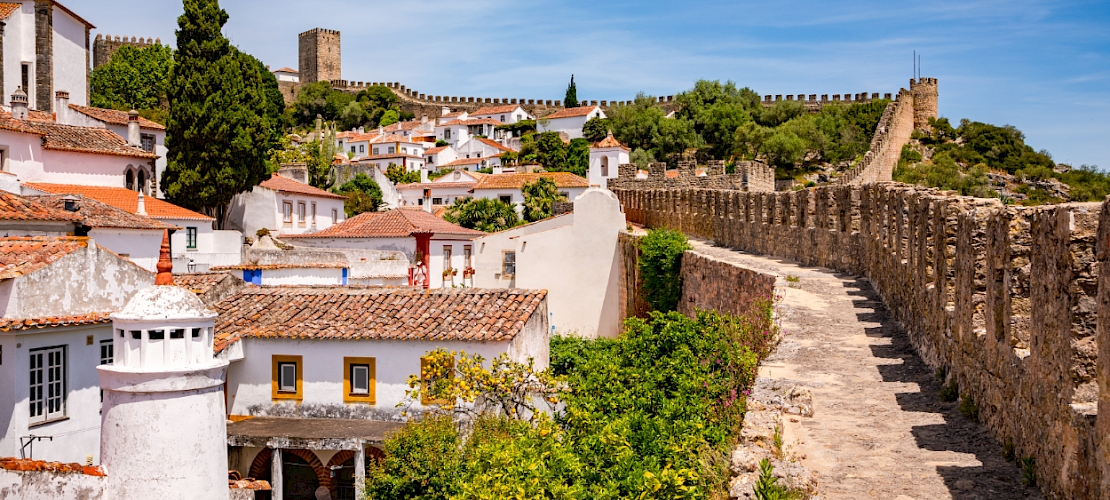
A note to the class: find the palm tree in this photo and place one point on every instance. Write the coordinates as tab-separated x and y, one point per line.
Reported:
539	199
487	215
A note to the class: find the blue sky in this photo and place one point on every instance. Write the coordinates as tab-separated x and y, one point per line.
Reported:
1043	66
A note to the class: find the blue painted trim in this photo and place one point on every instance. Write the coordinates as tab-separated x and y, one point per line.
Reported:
344	276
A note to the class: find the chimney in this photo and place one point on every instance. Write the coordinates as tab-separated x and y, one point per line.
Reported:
361	130
445	111
140	209
423	175
428	200
133	129
497	170
61	107
423	118
70	203
19	104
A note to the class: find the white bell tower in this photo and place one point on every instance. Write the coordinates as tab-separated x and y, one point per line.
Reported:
163	431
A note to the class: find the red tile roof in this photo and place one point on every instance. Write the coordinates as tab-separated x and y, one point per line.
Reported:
71	138
437	185
495	110
249	484
435	150
29	465
286	69
610	142
465	161
472	121
15	207
362	313
493	144
93	213
571	112
17	324
115	117
386	156
281	183
517	181
6	9
396	223
20	256
405	125
200	283
388	138
122	198
454	115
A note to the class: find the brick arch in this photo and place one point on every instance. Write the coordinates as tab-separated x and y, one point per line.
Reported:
346	455
340	457
261	464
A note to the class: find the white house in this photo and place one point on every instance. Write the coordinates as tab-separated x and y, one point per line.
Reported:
410	162
447	115
151	136
573	256
439	156
443	190
481	147
287	74
569	120
606	156
458	131
414	130
342	375
55	297
509	187
445	249
194	248
37	149
52	40
133	237
506	113
282	204
308	273
21	216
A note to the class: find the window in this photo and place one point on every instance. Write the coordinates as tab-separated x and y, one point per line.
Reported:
361	148
352	149
405	150
392	150
287	213
467	252
506	198
508	263
359	380
334	216
191	238
447	251
376	151
300	213
147	142
48	384
287	377
141	185
447	134
437	201
502	118
564	194
313	219
129	180
26	79
428	380
106	358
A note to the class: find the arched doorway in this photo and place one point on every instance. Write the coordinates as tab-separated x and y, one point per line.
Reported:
605	166
141	185
301	473
129	179
343	466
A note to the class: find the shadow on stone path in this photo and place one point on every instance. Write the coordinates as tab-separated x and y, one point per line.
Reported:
879	428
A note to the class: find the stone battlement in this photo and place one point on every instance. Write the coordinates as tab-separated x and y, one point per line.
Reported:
104	46
748	176
315	31
1011	301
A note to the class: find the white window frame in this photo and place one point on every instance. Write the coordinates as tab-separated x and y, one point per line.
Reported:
282	374
365	374
47	389
506	262
287	212
334	216
302	213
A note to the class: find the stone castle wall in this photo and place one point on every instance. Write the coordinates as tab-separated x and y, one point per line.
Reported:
318	55
908	110
1014	302
104	46
752	176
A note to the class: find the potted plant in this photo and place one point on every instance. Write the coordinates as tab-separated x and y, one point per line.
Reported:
468	272
448	272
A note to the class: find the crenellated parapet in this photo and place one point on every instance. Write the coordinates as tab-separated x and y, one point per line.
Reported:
1011	301
104	46
747	176
910	110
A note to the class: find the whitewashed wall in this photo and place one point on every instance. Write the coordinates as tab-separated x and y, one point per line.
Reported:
69	61
302	276
142	246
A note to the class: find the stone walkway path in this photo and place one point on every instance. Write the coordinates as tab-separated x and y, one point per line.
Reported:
879	428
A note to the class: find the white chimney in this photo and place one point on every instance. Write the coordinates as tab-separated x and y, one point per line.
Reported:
140	209
61	107
423	118
19	104
423	175
445	111
133	129
497	170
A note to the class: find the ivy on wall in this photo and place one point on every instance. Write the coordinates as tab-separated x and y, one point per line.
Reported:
661	268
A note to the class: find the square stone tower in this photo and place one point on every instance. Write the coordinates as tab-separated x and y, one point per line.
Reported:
319	55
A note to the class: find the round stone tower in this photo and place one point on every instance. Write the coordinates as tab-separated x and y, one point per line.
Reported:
163	430
924	91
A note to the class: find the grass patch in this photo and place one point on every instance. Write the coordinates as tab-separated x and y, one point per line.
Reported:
1028	471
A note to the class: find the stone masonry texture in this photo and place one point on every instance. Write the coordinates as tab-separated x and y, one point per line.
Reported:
44	55
319	56
105	46
1009	300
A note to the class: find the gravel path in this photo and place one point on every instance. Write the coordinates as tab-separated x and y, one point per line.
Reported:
879	428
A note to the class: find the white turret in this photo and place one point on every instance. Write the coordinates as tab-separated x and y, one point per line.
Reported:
163	427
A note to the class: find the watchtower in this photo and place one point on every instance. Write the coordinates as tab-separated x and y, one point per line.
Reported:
924	91
318	55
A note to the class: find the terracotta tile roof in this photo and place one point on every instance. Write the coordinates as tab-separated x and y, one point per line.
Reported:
249	484
405	125
495	110
307	265
437	185
29	465
472	121
199	283
122	198
388	138
20	256
15	207
610	142
93	213
60	137
281	183
493	144
17	324
435	150
465	161
286	69
517	181
571	112
115	117
6	9
456	114
396	223
360	313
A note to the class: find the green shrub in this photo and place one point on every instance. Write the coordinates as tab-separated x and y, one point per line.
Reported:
1028	471
949	392
969	408
661	267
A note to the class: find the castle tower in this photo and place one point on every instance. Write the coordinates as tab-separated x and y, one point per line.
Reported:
163	431
924	92
318	54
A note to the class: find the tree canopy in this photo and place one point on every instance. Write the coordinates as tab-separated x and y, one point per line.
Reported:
571	98
484	214
363	195
539	199
371	107
398	174
134	78
595	129
225	108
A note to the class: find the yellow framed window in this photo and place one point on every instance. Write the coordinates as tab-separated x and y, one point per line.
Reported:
287	379
359	380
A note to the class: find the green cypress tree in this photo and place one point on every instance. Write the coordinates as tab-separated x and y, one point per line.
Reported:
225	108
571	100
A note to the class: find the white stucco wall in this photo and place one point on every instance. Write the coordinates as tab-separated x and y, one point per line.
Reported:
571	125
406	245
142	246
302	276
159	148
437	262
31	163
76	437
574	257
262	208
611	158
19	47
412	196
69	62
214	248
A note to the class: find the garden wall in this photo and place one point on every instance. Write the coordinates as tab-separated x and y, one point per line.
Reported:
1008	299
